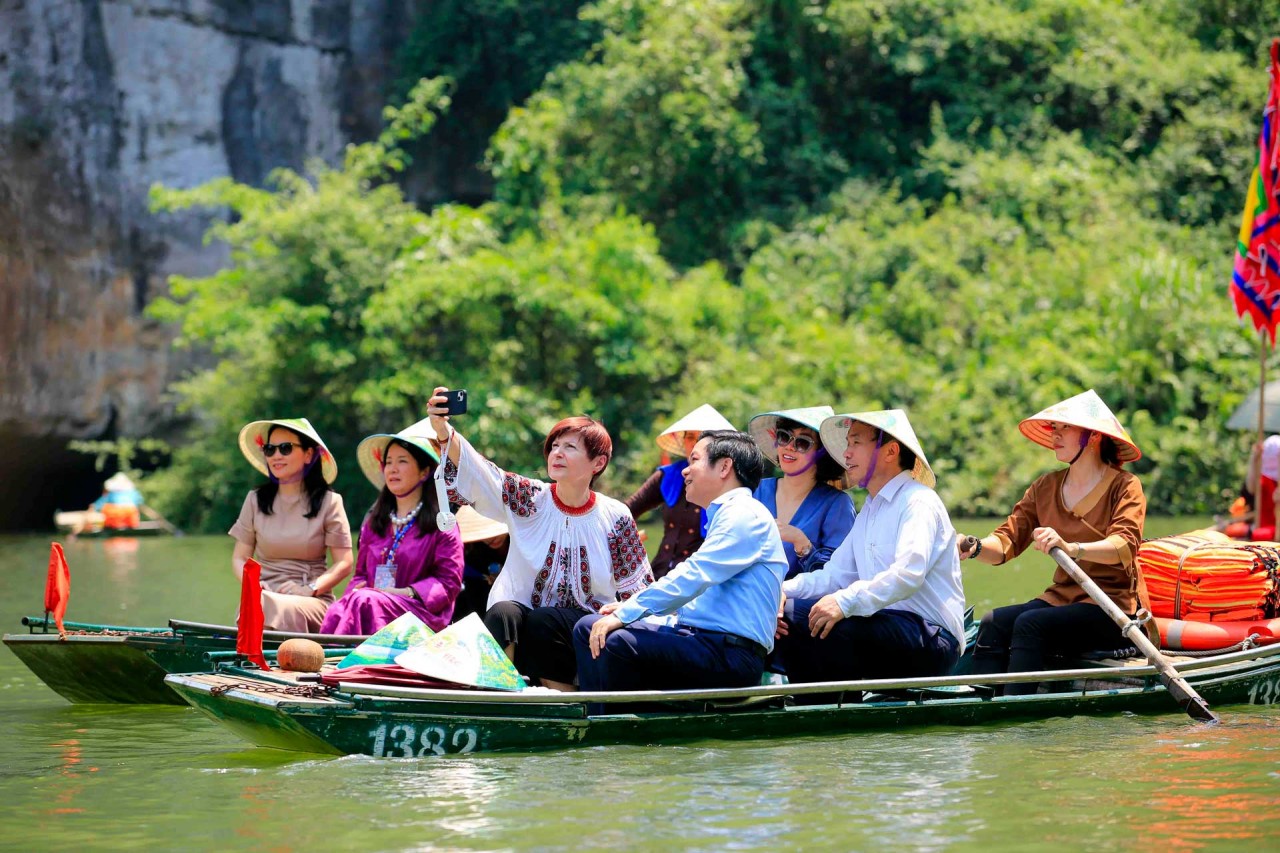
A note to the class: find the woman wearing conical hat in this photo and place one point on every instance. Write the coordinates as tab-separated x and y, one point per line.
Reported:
889	603
1093	510
813	515
683	523
289	522
405	563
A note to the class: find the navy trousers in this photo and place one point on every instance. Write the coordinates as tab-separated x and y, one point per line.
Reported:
888	644
649	657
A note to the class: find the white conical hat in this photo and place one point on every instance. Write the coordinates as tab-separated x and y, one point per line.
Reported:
763	426
1086	411
835	437
475	527
254	435
701	419
372	450
119	482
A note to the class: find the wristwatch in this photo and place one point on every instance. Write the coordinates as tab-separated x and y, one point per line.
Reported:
312	586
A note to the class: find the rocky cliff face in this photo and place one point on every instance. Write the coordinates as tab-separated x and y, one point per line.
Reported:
98	101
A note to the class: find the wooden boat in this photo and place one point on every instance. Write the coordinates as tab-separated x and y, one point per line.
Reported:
89	524
98	664
286	711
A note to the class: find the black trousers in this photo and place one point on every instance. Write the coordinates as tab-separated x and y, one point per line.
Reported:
1019	637
543	638
888	644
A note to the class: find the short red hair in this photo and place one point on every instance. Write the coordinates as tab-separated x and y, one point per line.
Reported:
595	439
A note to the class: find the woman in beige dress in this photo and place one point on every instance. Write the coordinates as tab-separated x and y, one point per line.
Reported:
288	523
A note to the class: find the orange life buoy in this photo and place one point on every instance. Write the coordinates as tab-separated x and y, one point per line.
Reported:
1185	635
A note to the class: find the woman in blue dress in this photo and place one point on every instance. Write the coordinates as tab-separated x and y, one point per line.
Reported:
813	515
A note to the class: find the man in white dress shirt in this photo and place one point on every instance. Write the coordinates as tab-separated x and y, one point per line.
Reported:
889	603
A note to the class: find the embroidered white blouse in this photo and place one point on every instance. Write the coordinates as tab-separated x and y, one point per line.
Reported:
558	557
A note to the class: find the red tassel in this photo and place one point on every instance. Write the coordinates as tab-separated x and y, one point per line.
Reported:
57	587
249	635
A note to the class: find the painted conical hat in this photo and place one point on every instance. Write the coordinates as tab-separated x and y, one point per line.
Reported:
1086	411
464	653
372	450
405	632
254	435
835	437
703	418
475	527
762	426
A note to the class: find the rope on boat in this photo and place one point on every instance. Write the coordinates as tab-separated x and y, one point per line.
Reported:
113	632
1247	643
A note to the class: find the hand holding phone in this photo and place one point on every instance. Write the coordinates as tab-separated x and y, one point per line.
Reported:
457	401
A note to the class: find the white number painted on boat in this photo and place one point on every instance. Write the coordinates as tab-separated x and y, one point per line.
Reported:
1265	692
406	741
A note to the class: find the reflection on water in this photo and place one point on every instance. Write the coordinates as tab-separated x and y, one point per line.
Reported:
129	778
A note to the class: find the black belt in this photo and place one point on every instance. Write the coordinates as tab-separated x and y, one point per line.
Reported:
733	640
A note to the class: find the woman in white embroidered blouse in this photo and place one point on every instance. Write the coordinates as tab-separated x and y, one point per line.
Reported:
573	550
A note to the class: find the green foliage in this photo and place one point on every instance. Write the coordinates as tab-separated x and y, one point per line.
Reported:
966	209
124	453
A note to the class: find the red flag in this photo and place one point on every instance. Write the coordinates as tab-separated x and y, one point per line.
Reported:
1255	281
249	624
57	587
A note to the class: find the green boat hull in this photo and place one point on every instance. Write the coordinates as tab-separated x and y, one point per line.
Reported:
109	664
384	724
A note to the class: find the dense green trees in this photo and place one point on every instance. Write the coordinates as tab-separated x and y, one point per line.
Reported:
968	209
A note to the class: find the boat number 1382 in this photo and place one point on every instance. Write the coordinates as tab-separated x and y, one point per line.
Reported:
407	741
1265	692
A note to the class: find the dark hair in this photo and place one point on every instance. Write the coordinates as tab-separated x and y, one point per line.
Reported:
906	456
595	439
1109	449
380	513
313	482
827	469
748	462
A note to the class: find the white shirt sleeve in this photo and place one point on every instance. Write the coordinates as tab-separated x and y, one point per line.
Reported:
917	531
840	571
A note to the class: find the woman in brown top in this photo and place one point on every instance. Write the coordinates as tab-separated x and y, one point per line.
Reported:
1093	510
288	523
682	522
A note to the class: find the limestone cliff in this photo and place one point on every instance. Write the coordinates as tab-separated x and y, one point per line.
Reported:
98	101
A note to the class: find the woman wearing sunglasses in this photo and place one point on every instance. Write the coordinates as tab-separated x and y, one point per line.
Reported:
405	563
289	522
814	516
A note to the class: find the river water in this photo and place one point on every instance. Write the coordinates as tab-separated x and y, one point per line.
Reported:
74	777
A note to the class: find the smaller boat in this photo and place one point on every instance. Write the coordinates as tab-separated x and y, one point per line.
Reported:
298	712
89	525
98	664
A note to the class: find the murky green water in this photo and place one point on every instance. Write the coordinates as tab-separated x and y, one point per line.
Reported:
74	777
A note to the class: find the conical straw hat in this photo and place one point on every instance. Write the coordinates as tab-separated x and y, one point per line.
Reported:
464	653
254	435
835	437
396	637
763	426
1086	411
476	527
703	418
119	482
372	450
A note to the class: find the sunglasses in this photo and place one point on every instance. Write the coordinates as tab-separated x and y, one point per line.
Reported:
285	448
800	443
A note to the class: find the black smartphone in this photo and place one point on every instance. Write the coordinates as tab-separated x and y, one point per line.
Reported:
457	404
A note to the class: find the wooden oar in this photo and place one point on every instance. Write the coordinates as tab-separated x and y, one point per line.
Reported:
1178	688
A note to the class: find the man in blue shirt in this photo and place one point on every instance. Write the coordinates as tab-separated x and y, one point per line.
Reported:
724	596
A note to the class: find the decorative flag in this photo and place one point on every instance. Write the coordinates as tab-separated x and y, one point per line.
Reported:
1255	282
249	623
57	587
